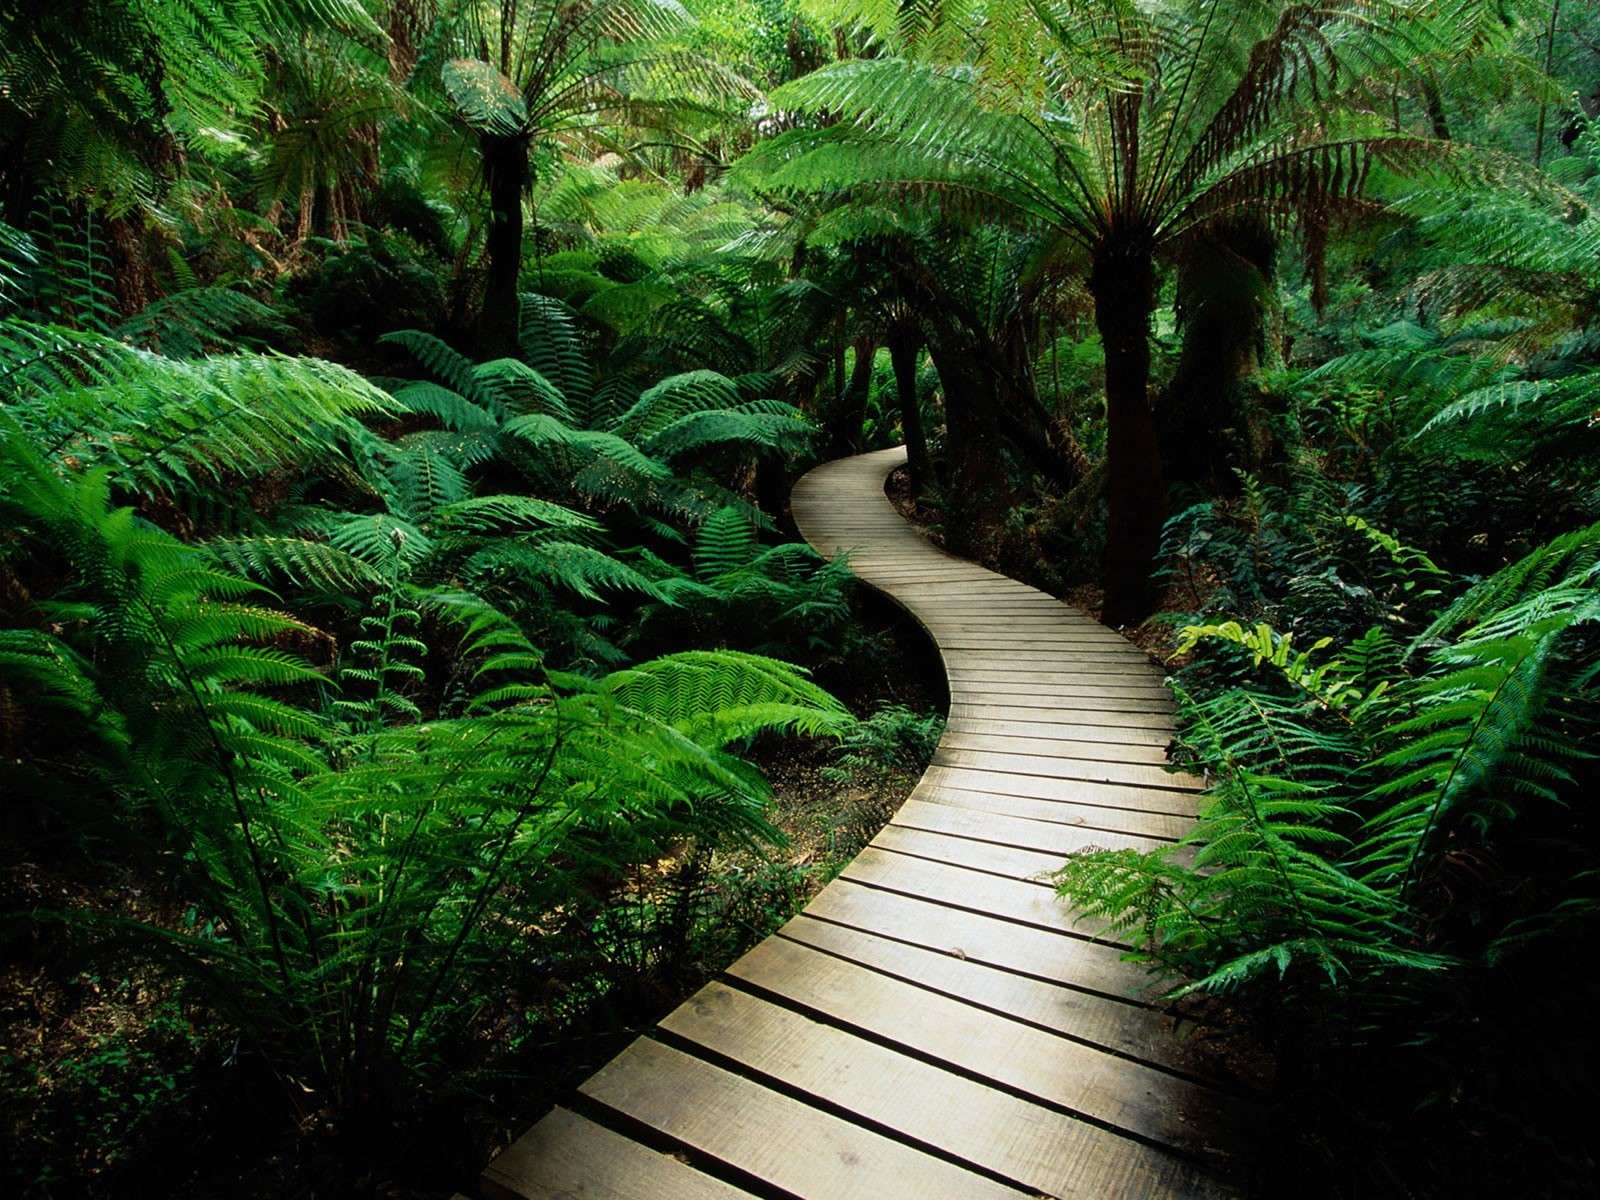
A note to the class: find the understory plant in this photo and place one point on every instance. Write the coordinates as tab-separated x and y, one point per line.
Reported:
1370	859
369	815
1337	780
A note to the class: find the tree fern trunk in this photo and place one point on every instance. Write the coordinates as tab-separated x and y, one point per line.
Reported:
1123	285
904	343
1223	285
851	412
977	491
505	171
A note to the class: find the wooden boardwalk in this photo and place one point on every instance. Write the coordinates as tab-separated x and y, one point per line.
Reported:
933	1026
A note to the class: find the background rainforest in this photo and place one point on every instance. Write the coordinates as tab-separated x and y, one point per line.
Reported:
398	608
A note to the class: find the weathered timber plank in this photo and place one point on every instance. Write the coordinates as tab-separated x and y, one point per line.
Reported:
1030	950
1024	708
1090	770
1039	727
1099	683
1095	820
978	662
1047	837
566	1156
1012	862
1022	901
1045	787
1021	1141
781	1141
1146	1034
1096	749
1125	1095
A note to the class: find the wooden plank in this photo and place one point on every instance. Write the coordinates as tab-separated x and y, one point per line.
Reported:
1097	749
1146	1034
1099	671
781	1141
567	1156
1019	901
1007	862
1045	837
1022	708
1081	700
1129	1096
1025	662
1038	1149
1031	950
994	858
1099	822
1068	791
1092	685
1022	638
1063	767
955	617
888	568
968	883
1039	726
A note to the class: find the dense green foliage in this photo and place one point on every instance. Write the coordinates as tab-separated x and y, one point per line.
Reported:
397	405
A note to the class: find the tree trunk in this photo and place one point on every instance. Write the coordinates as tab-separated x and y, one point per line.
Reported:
978	491
505	174
1123	286
904	344
1041	437
1223	289
850	410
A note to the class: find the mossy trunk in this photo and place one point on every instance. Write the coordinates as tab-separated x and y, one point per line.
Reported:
905	343
977	491
850	405
1123	285
505	176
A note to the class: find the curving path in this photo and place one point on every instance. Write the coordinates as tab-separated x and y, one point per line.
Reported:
933	1026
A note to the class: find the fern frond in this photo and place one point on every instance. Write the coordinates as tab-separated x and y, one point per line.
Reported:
720	696
510	514
521	389
198	320
570	565
548	337
451	409
446	364
303	562
1566	562
1471	723
542	430
725	543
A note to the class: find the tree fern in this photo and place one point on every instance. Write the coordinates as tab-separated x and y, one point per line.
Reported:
200	320
718	697
1330	796
159	422
549	340
725	543
1474	725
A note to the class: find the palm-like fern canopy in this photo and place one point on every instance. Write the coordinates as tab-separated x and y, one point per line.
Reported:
1121	129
